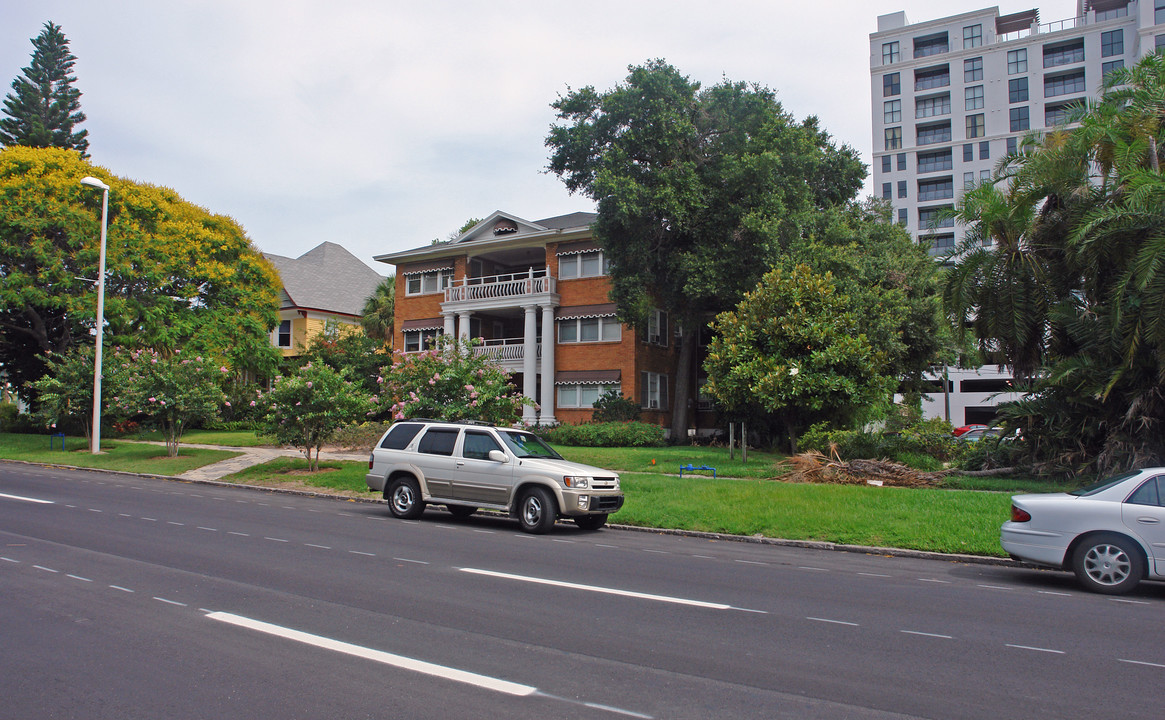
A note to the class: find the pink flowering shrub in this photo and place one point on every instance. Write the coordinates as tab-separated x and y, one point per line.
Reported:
449	382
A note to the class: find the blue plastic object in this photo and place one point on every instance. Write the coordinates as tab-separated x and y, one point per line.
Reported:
690	467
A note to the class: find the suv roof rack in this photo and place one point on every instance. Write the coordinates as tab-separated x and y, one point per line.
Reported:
465	421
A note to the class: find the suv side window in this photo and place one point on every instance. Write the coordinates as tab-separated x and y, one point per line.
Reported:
438	441
400	436
478	444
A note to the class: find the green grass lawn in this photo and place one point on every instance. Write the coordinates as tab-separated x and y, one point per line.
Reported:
129	457
234	438
344	477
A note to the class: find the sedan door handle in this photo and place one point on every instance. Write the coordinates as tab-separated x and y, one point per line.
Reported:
1148	520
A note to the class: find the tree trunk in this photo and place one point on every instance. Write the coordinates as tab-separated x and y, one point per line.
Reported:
683	386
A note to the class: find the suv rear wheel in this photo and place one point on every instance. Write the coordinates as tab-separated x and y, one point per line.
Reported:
537	511
404	498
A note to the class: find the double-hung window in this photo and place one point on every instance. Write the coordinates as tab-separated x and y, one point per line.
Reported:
1016	61
593	329
657	328
892	112
890	53
1020	118
418	340
972	36
976	126
583	395
894	138
973	97
653	390
1112	43
284	339
581	265
891	84
428	282
973	70
1017	90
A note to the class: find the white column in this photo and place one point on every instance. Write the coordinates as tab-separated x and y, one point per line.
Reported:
463	324
547	395
530	362
449	321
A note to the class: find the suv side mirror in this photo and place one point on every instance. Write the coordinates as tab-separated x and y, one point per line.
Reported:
497	456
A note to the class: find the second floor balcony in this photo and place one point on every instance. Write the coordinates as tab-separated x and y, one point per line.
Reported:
501	290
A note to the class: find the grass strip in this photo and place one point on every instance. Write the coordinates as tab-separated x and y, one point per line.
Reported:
341	477
127	457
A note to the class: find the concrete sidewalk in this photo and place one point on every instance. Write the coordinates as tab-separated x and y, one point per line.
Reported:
249	457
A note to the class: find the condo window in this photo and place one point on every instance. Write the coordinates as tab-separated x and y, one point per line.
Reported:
1017	90
1106	68
893	138
929	107
656	328
890	53
587	264
580	395
653	390
903	217
936	189
985	150
429	282
887	191
931	78
1057	113
968	180
901	161
1012	146
941	244
284	340
1020	119
1069	84
1158	12
972	36
891	84
930	134
935	161
973	97
1064	54
901	188
969	152
976	126
931	45
886	162
930	218
601	329
1016	61
973	70
1112	43
892	111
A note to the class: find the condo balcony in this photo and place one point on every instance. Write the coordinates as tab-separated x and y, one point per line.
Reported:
497	291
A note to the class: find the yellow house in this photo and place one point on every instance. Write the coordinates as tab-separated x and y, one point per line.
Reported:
326	285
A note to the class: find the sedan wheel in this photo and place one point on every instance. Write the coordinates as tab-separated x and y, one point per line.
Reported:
1108	564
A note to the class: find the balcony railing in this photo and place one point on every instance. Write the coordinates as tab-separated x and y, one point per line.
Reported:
513	285
501	349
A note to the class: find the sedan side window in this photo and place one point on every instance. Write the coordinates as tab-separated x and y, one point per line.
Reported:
1149	493
478	444
438	441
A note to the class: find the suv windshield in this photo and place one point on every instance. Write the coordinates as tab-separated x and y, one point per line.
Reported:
525	445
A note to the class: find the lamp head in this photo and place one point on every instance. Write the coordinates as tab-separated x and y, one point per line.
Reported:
94	182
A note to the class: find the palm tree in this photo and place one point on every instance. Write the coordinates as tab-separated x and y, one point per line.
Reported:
379	310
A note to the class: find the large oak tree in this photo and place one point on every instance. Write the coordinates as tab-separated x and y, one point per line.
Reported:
697	191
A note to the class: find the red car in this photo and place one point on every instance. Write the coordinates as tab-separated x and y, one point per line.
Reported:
960	431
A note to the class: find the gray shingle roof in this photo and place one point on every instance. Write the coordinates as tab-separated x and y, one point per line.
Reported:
573	220
327	278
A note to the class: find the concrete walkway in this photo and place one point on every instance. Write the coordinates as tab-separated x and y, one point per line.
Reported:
249	457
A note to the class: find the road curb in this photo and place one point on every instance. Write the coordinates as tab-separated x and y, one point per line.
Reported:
724	537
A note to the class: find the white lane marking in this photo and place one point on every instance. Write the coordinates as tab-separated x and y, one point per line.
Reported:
863	574
613	547
814	569
124	515
78	577
195	495
932	580
171	602
38	501
418	562
702	557
398	661
171	522
42	567
993	587
95	510
833	622
657	552
1140	662
565	542
1037	649
71	506
1049	592
7	559
1129	602
926	634
485	532
617	711
275	539
321	547
206	528
357	552
232	532
599	589
118	587
150	519
750	562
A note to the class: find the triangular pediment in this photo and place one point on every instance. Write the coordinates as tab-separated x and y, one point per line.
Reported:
499	225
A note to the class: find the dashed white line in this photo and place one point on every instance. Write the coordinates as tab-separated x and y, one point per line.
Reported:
993	587
750	562
1129	602
42	567
657	552
321	547
118	587
833	622
932	580
416	562
616	547
1036	649
704	557
926	634
565	542
399	661
367	554
8	559
124	515
95	510
171	522
877	575
812	569
150	519
485	532
171	602
1049	592
206	528
232	532
275	539
1141	662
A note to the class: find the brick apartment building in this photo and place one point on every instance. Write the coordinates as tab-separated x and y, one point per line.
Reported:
536	294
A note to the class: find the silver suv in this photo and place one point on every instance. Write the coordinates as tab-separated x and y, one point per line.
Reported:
466	466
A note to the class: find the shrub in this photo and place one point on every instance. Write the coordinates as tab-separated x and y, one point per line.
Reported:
624	434
8	415
926	437
362	436
613	407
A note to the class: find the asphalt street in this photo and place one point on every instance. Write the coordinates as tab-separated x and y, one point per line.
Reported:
130	597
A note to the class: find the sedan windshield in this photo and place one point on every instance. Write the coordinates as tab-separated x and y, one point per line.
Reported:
1104	484
525	445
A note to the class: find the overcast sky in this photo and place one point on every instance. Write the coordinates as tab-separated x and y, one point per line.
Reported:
381	124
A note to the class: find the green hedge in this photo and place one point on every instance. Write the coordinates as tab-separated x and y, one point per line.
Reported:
611	434
926	438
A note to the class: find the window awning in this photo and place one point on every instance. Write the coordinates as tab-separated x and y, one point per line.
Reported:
576	248
586	311
587	377
431	266
423	324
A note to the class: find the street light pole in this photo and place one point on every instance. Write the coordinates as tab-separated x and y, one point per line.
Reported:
95	441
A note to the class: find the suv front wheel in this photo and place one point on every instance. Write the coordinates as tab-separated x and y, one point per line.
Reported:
404	498
537	511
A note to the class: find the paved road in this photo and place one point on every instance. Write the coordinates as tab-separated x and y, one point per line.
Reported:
125	597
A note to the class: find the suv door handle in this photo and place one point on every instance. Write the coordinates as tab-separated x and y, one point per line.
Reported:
459	463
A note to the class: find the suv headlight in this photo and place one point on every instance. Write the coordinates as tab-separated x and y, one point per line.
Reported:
577	481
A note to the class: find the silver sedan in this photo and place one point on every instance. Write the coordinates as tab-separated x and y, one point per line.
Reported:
1111	534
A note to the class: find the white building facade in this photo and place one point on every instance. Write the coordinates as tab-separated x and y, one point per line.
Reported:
953	96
